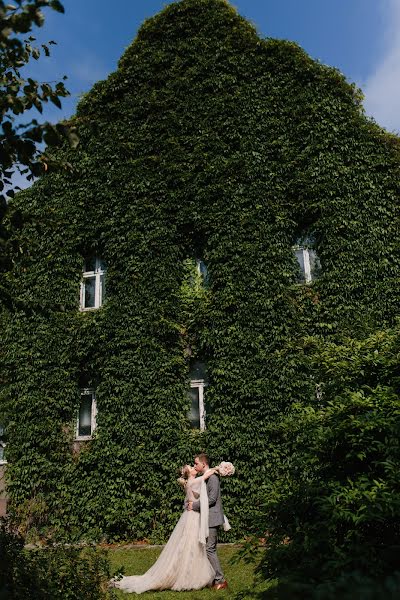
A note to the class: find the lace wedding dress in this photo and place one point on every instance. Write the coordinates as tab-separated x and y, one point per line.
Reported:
183	563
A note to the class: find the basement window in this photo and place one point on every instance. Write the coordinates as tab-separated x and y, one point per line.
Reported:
86	419
93	284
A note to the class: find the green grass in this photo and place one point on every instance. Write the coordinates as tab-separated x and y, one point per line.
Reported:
240	576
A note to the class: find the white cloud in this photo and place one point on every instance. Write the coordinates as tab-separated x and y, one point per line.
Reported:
382	87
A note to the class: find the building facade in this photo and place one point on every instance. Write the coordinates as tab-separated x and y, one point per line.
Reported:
227	201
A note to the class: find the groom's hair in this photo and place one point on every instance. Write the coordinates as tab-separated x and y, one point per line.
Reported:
203	458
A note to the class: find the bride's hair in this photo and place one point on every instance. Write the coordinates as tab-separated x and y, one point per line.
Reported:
185	471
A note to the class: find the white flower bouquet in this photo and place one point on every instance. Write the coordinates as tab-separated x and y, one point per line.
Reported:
225	469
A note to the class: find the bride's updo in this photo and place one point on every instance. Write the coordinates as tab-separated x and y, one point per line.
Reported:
185	472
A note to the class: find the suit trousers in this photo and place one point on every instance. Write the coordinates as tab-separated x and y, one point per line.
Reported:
211	549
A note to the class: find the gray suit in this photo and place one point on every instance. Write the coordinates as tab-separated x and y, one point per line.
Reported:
215	519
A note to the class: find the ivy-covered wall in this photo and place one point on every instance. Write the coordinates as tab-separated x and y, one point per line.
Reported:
207	142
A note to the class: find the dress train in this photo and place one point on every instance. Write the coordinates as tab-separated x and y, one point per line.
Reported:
183	563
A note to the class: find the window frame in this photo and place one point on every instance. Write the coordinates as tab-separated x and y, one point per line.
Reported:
306	250
200	384
93	416
3	461
306	263
97	274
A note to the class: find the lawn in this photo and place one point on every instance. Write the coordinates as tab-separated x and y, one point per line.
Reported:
137	560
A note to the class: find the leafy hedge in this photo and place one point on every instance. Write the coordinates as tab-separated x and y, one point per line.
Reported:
53	573
207	142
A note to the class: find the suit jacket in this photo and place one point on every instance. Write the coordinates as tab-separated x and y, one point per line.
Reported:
215	511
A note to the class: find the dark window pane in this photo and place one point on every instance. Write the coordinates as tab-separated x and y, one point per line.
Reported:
315	265
90	264
85	416
2	457
301	276
101	265
198	371
89	284
194	413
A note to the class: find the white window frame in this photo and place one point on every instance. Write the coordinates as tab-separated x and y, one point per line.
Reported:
93	420
306	262
3	461
200	384
98	290
3	445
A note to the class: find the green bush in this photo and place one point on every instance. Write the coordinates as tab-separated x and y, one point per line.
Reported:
353	586
334	510
51	573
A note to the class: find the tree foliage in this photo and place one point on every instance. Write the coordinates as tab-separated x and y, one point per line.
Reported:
19	141
332	516
207	142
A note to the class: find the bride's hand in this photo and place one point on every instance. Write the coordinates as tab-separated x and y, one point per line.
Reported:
209	472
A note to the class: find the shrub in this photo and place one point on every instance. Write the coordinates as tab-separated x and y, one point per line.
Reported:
353	586
333	512
51	573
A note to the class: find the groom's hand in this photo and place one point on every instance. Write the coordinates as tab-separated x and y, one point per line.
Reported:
189	505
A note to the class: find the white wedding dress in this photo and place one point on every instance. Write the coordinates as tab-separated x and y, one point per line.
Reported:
183	563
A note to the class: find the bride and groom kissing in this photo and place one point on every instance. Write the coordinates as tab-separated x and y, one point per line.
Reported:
189	560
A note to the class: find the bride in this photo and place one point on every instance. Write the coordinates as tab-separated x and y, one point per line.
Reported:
183	563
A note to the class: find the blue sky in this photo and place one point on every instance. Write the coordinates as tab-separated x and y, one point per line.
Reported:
359	37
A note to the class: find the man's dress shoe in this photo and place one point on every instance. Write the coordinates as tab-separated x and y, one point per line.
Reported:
220	586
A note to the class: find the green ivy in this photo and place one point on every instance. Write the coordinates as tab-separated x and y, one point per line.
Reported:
207	142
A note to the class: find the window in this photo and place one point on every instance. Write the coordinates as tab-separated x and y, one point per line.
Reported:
195	278
197	413
92	286
309	265
202	270
319	393
2	446
86	420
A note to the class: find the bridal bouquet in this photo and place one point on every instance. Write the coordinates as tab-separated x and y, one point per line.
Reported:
225	469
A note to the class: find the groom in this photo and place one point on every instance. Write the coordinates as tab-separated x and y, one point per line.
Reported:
215	517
